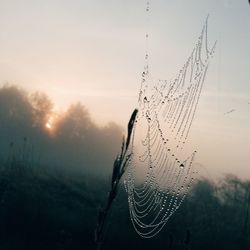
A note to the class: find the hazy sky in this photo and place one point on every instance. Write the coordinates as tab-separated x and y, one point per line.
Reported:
93	51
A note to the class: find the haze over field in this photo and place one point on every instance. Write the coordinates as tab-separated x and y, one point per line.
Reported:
92	52
31	132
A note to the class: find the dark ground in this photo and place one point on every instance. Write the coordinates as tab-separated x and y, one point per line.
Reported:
44	209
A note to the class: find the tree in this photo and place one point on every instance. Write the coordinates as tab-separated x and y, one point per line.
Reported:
42	108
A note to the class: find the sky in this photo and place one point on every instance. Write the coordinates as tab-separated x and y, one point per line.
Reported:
93	52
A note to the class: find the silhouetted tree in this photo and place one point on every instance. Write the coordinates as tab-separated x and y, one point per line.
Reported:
42	108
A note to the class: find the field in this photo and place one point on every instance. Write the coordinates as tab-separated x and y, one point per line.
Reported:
42	208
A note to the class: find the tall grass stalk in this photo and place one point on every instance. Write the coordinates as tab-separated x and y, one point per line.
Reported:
119	168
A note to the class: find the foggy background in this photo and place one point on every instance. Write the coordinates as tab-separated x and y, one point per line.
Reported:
69	80
93	52
72	140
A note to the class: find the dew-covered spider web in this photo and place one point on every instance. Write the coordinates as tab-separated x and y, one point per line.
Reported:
158	175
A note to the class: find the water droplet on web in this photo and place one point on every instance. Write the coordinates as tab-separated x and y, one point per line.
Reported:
162	158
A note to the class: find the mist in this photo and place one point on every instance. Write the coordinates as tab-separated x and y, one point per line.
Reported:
31	131
55	172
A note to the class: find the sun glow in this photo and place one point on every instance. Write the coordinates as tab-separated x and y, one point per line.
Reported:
48	126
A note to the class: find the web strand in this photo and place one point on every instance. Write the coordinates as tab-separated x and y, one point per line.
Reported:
158	180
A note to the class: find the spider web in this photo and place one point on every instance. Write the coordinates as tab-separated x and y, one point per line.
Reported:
158	178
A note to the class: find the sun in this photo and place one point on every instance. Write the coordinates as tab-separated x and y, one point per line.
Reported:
48	125
51	123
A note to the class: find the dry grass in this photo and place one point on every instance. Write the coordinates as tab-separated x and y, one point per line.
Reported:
119	169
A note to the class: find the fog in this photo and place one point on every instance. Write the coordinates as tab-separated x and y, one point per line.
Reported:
32	131
43	206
